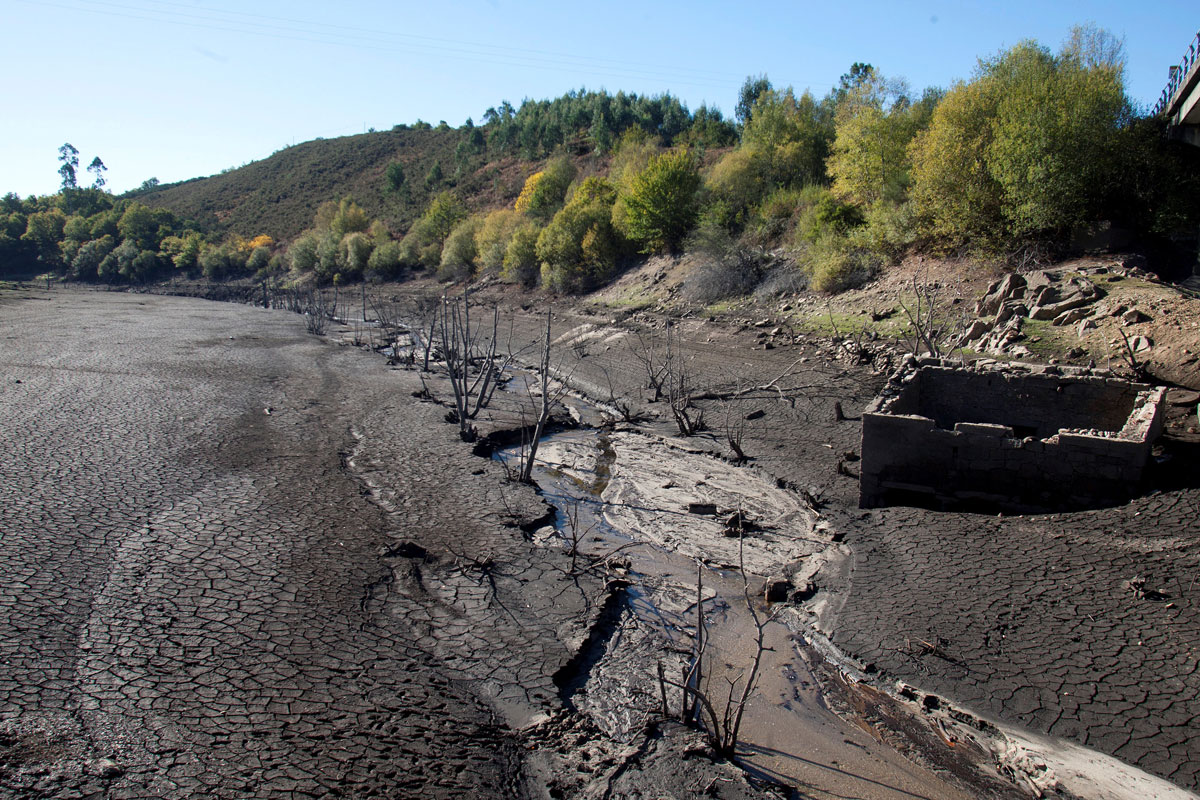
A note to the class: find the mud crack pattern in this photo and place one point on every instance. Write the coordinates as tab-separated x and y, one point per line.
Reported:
191	574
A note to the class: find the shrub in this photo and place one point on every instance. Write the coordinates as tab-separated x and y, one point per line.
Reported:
822	214
493	237
726	268
520	257
458	253
385	262
834	264
781	279
889	230
776	215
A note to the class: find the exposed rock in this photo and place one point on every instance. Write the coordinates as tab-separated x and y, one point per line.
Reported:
1133	317
977	328
1009	287
1140	344
1010	310
1072	316
1052	300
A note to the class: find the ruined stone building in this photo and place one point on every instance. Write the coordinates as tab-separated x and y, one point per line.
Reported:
1013	437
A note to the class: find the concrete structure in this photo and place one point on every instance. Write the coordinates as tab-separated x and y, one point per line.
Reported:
1013	437
1180	100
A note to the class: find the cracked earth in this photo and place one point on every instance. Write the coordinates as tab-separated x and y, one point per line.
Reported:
183	612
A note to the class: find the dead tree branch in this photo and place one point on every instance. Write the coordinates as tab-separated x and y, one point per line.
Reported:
543	410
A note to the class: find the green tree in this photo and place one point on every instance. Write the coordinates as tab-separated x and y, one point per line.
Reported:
69	157
97	169
434	177
86	264
354	253
661	204
876	121
459	251
545	191
753	88
491	241
182	251
350	217
384	262
520	257
793	135
303	253
1023	150
565	265
43	231
444	212
140	225
394	178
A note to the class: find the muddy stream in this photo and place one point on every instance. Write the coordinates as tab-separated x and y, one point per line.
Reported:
676	525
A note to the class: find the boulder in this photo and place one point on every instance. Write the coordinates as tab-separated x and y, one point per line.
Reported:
977	328
1011	286
1072	316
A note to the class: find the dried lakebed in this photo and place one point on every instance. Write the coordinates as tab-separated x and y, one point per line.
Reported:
245	563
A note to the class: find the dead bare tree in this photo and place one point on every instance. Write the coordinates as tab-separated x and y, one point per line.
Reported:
471	362
934	328
543	414
678	385
653	361
424	332
698	704
1130	356
733	426
853	342
315	311
618	404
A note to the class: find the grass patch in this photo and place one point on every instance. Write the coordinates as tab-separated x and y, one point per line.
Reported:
852	323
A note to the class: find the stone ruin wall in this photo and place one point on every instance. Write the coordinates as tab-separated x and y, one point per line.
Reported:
1015	437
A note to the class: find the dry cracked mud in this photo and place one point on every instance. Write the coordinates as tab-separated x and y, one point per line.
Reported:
241	562
1035	621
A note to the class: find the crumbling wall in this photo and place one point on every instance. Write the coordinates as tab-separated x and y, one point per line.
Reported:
1006	436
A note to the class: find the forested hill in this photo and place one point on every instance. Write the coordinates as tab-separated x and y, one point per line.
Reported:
394	174
280	194
1034	157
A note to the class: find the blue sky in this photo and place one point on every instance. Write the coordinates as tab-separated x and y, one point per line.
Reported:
176	89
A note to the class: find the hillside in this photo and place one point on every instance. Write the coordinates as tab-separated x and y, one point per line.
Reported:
279	195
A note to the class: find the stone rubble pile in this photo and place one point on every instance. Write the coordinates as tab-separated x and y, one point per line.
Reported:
1059	296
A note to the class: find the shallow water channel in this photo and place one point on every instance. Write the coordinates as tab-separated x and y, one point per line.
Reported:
665	519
